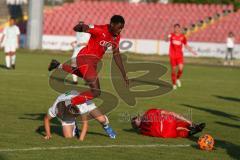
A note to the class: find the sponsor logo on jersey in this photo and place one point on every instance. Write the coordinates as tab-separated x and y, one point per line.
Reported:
176	42
105	44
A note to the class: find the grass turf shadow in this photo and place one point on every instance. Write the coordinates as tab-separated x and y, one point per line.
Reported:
56	129
231	148
214	112
37	117
228	125
3	66
227	98
55	124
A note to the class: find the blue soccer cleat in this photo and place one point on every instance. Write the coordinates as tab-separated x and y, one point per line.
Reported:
109	131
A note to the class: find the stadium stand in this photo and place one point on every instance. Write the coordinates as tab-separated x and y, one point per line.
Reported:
3	11
217	32
143	20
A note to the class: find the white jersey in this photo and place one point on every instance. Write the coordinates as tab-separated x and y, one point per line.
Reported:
81	37
11	34
84	108
230	42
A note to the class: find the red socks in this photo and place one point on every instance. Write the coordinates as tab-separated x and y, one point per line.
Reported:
179	74
174	78
67	68
72	70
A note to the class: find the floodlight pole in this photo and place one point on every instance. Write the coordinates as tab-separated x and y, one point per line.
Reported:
35	24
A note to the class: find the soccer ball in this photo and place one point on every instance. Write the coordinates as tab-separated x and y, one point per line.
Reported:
206	142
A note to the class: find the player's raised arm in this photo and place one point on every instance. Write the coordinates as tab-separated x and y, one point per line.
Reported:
91	29
81	27
47	127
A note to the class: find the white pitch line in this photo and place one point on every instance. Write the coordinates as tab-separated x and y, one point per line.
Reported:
97	146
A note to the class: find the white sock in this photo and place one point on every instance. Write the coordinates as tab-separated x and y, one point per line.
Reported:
75	78
73	132
8	61
106	122
13	59
60	66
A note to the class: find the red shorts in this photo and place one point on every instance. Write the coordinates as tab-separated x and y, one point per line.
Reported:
87	65
176	61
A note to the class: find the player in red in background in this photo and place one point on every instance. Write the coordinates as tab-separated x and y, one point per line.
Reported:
102	38
177	41
165	124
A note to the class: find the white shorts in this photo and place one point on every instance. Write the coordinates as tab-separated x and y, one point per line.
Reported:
83	110
70	123
86	108
10	48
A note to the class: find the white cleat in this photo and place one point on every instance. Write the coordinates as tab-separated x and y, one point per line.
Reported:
178	83
174	87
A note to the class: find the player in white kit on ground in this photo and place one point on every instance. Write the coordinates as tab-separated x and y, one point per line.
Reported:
68	119
81	41
10	42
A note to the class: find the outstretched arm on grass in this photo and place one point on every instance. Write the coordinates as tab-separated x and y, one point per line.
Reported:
47	127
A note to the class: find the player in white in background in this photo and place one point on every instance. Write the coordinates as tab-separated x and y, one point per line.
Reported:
10	42
68	119
230	47
81	41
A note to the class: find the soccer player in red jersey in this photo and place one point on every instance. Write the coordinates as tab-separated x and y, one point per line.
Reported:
102	37
165	124
177	41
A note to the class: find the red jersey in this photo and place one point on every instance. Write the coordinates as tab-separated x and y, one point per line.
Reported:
176	45
151	123
101	39
156	124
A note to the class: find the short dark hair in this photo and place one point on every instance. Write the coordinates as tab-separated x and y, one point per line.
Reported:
117	19
230	33
177	25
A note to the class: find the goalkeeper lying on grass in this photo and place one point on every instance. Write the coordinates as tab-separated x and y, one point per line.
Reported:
68	117
165	124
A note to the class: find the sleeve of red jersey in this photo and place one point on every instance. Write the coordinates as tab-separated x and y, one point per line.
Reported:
170	35
95	30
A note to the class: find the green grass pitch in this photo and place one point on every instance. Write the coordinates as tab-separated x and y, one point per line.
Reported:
212	92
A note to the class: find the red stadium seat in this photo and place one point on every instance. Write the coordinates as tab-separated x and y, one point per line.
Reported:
151	21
